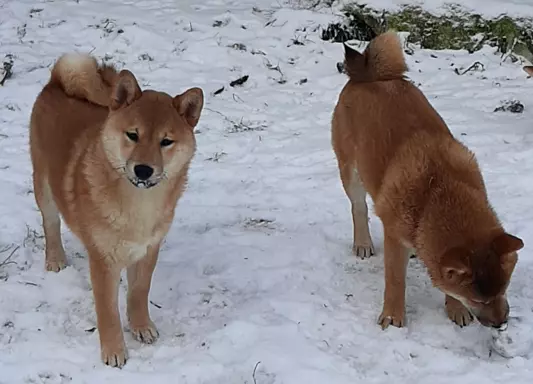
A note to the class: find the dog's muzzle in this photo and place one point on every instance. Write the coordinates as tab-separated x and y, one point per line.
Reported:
144	184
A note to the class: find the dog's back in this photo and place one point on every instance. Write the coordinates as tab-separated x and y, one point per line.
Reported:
76	97
378	99
73	103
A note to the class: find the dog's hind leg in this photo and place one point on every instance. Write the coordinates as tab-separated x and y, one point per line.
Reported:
55	254
362	246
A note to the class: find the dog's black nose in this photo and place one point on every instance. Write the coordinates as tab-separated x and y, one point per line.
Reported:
501	326
143	171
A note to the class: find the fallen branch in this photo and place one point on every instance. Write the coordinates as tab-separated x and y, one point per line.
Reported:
239	81
8	259
474	66
255	370
218	91
269	65
7	70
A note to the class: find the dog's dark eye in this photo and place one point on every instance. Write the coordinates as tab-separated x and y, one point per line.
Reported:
133	136
166	142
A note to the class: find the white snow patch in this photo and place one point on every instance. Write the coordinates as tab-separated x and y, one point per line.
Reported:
257	266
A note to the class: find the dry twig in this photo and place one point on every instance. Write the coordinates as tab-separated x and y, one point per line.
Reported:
255	370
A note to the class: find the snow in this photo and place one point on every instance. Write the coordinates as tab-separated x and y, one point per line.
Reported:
256	282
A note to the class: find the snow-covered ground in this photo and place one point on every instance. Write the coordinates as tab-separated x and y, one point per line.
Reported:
256	282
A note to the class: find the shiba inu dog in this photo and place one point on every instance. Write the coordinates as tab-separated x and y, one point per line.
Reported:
112	160
426	187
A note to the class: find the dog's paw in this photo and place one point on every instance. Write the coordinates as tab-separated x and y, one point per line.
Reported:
114	355
55	265
363	251
147	334
394	318
458	313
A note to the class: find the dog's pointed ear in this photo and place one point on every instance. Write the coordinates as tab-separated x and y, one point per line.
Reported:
189	105
505	243
351	53
125	90
455	265
506	246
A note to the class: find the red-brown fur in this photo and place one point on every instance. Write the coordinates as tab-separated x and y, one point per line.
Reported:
90	129
427	190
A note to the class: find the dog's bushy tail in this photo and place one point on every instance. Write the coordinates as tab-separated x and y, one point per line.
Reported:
80	76
382	59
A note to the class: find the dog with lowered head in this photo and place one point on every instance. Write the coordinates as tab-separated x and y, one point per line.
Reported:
112	160
426	187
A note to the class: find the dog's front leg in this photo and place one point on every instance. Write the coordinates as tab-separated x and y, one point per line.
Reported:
396	259
105	278
457	312
139	281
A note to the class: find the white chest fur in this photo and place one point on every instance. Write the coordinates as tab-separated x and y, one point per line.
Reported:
131	226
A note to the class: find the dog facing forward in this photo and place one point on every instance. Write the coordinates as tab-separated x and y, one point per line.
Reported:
426	187
112	160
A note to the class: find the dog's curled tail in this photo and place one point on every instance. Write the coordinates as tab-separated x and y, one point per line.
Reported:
382	59
80	76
